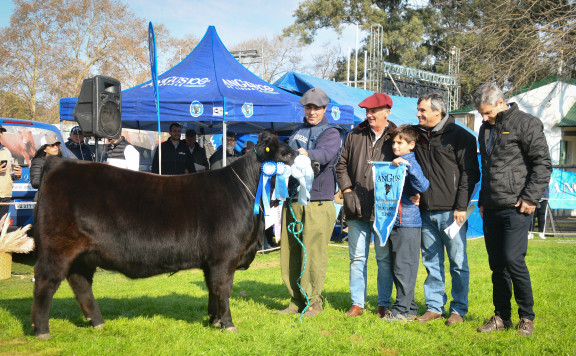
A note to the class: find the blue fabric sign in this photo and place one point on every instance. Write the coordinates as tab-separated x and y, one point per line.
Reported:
388	185
562	190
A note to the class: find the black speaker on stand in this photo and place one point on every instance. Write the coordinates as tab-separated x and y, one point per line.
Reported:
98	109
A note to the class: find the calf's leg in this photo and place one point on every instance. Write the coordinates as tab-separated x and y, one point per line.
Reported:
219	281
80	279
45	285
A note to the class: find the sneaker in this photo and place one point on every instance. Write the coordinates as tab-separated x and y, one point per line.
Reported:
525	327
401	317
495	323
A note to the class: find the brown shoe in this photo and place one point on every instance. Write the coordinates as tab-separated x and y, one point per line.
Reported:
383	311
287	311
495	323
313	309
428	316
454	319
525	327
355	311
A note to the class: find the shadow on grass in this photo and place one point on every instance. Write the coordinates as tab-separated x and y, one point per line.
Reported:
174	306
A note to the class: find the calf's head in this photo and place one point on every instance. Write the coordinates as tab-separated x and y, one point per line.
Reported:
269	148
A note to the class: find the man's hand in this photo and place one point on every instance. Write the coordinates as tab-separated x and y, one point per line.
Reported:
459	216
17	170
415	199
526	206
302	151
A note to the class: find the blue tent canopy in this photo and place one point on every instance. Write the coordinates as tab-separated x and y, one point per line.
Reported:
210	87
403	109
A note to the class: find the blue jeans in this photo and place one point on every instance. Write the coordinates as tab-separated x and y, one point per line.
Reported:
434	241
359	238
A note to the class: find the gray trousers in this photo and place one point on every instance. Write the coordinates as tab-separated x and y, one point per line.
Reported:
404	244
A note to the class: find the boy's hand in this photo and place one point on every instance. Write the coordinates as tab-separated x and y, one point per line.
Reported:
396	162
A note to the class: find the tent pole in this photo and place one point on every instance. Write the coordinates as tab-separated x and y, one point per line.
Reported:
224	151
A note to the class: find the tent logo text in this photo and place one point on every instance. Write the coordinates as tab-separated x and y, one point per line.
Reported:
181	82
196	108
240	84
336	113
248	109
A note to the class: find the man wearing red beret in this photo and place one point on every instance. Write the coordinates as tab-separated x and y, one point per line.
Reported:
369	141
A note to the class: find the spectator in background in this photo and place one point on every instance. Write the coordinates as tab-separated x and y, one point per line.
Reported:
198	153
9	172
231	153
248	145
121	153
50	147
176	157
76	147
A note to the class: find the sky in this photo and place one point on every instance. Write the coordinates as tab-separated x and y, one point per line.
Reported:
235	21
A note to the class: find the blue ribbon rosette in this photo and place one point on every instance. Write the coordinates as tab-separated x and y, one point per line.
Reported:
302	171
281	188
268	170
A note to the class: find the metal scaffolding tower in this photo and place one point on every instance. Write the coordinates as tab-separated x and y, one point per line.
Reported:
405	81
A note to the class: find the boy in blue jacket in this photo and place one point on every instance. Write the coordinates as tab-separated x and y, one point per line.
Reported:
404	240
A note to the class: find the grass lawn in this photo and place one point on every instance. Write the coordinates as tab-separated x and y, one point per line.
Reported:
166	315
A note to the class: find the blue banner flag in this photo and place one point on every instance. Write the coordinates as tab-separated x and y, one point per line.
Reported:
562	190
388	185
154	70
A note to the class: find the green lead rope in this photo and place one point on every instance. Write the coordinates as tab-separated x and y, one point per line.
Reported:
292	229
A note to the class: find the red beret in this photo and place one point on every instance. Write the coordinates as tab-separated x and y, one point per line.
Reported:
376	100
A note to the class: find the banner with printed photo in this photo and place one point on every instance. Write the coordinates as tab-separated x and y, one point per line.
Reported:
388	185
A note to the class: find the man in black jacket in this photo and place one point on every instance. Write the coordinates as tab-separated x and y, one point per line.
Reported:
516	169
176	157
447	154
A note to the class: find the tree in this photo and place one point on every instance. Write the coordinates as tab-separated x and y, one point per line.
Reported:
326	62
512	42
51	46
278	55
406	38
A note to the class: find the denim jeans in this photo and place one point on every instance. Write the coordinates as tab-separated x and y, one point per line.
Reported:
359	237
434	241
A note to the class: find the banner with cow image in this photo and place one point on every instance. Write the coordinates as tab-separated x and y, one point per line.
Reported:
388	185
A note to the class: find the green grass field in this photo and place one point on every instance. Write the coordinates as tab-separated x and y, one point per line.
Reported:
166	315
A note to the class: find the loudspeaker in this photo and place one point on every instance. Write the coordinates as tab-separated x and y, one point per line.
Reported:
98	110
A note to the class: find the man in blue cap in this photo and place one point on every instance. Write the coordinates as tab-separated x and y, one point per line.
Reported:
369	141
319	140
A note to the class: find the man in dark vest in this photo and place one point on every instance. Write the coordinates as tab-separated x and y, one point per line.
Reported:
319	140
121	153
198	153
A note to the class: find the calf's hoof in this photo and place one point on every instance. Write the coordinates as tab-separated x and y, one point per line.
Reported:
99	326
43	336
231	329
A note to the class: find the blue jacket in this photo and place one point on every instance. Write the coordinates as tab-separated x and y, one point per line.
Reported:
416	182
